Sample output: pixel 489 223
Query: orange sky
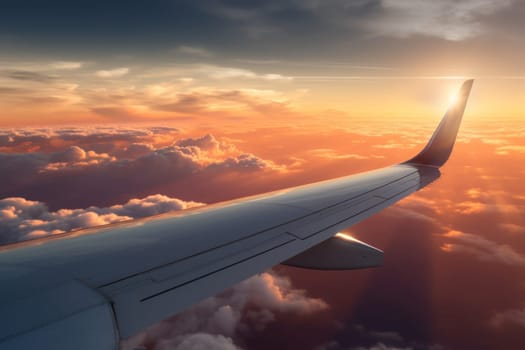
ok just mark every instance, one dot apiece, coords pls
pixel 217 96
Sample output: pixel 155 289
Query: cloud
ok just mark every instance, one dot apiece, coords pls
pixel 68 65
pixel 22 219
pixel 478 207
pixel 199 341
pixel 100 139
pixel 513 228
pixel 30 76
pixel 482 248
pixel 381 346
pixel 245 161
pixel 194 51
pixel 329 153
pixel 75 156
pixel 450 20
pixel 261 101
pixel 207 143
pixel 217 72
pixel 506 150
pixel 111 165
pixel 511 316
pixel 359 337
pixel 223 321
pixel 112 73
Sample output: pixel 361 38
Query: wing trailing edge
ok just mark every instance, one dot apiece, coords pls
pixel 438 149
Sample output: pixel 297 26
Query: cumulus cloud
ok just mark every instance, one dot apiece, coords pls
pixel 482 248
pixel 361 338
pixel 22 219
pixel 207 143
pixel 75 156
pixel 222 321
pixel 112 73
pixel 100 166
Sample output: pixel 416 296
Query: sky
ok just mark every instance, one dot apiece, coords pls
pixel 117 110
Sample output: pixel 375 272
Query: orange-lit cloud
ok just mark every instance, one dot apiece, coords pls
pixel 482 248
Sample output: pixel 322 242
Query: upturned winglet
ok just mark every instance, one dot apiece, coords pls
pixel 438 149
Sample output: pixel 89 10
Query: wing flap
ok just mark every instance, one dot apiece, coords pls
pixel 340 252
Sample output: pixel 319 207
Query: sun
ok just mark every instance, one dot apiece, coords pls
pixel 453 99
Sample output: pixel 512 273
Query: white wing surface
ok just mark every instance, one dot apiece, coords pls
pixel 87 289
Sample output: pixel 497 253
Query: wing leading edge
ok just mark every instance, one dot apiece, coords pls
pixel 118 279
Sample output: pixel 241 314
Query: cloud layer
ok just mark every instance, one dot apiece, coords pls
pixel 97 167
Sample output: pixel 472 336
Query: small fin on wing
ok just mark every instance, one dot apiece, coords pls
pixel 340 252
pixel 438 149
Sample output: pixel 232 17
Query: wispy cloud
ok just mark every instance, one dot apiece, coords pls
pixel 482 248
pixel 506 150
pixel 66 65
pixel 112 73
pixel 476 207
pixel 194 51
pixel 22 219
pixel 448 19
pixel 217 72
pixel 31 76
pixel 511 316
pixel 329 153
pixel 512 228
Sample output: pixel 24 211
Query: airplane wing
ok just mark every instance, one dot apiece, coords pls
pixel 89 288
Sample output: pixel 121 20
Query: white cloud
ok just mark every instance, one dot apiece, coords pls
pixel 22 219
pixel 68 65
pixel 112 73
pixel 217 72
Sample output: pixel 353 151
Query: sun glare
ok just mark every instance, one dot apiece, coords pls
pixel 453 99
pixel 345 237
